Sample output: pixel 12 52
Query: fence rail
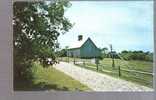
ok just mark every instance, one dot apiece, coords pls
pixel 121 72
pixel 141 72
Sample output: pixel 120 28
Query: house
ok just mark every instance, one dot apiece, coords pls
pixel 83 49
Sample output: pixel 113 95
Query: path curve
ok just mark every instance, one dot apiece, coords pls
pixel 97 81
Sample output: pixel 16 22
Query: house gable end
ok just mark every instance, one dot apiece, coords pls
pixel 90 42
pixel 89 49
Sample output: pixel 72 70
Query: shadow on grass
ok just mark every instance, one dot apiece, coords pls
pixel 42 86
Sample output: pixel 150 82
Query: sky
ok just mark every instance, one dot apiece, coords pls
pixel 127 25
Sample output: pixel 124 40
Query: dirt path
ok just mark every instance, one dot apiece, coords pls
pixel 98 81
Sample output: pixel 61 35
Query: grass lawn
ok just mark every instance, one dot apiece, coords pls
pixel 51 79
pixel 131 65
pixel 106 67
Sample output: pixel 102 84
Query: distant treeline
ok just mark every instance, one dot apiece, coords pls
pixel 131 55
pixel 136 55
pixel 127 55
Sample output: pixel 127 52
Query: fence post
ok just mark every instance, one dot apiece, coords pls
pixel 97 63
pixel 68 59
pixel 74 60
pixel 97 67
pixel 119 71
pixel 84 63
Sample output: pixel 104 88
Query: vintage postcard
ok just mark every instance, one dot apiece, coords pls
pixel 88 46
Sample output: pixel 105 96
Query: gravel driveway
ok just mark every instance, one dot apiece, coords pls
pixel 97 81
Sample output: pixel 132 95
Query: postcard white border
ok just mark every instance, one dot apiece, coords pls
pixel 6 69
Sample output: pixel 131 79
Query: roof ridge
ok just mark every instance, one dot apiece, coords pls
pixel 78 44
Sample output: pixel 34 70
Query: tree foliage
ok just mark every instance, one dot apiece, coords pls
pixel 36 27
pixel 137 55
pixel 62 53
pixel 128 55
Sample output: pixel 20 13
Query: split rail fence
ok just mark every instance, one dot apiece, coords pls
pixel 129 74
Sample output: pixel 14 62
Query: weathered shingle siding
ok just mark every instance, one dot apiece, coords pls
pixel 89 50
pixel 74 52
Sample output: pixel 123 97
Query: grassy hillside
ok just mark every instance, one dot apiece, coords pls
pixel 50 79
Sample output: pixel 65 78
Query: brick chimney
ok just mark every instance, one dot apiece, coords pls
pixel 80 37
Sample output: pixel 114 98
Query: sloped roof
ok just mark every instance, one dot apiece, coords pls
pixel 78 44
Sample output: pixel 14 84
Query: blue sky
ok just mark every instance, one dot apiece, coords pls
pixel 127 25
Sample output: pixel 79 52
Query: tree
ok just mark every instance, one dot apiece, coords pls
pixel 104 52
pixel 36 27
pixel 124 51
pixel 62 53
pixel 137 55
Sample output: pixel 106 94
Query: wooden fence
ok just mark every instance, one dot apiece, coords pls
pixel 118 71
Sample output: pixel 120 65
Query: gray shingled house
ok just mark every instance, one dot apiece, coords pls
pixel 83 49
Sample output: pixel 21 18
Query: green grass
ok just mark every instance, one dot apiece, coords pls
pixel 106 67
pixel 51 79
pixel 131 65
